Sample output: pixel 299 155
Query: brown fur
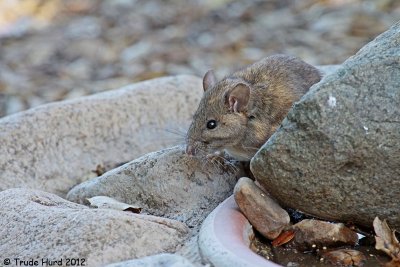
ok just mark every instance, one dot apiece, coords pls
pixel 275 83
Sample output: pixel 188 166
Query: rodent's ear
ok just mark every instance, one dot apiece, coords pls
pixel 209 80
pixel 238 98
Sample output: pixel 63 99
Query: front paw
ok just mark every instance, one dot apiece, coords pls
pixel 221 160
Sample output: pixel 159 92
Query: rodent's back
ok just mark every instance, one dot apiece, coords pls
pixel 277 82
pixel 281 69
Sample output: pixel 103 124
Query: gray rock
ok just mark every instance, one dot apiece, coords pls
pixel 264 214
pixel 337 153
pixel 55 146
pixel 38 225
pixel 166 183
pixel 316 234
pixel 160 260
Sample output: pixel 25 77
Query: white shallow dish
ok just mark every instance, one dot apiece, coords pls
pixel 224 239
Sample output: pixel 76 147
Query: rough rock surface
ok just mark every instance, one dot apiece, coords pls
pixel 160 260
pixel 318 234
pixel 39 225
pixel 264 214
pixel 166 183
pixel 55 146
pixel 336 155
pixel 344 257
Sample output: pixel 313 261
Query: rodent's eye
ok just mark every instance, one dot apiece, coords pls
pixel 211 124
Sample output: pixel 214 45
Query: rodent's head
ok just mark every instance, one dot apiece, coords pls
pixel 221 119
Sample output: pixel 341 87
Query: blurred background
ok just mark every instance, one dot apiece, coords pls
pixel 54 50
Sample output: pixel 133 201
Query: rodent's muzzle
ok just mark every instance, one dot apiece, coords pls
pixel 190 150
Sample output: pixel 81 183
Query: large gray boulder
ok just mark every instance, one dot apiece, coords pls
pixel 55 146
pixel 337 155
pixel 38 225
pixel 166 183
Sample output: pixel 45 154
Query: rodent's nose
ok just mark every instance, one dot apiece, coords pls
pixel 190 150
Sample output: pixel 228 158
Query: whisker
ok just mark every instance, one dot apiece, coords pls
pixel 216 163
pixel 174 141
pixel 171 138
pixel 174 135
pixel 176 132
pixel 182 129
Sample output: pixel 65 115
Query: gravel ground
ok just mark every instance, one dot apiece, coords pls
pixel 54 50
